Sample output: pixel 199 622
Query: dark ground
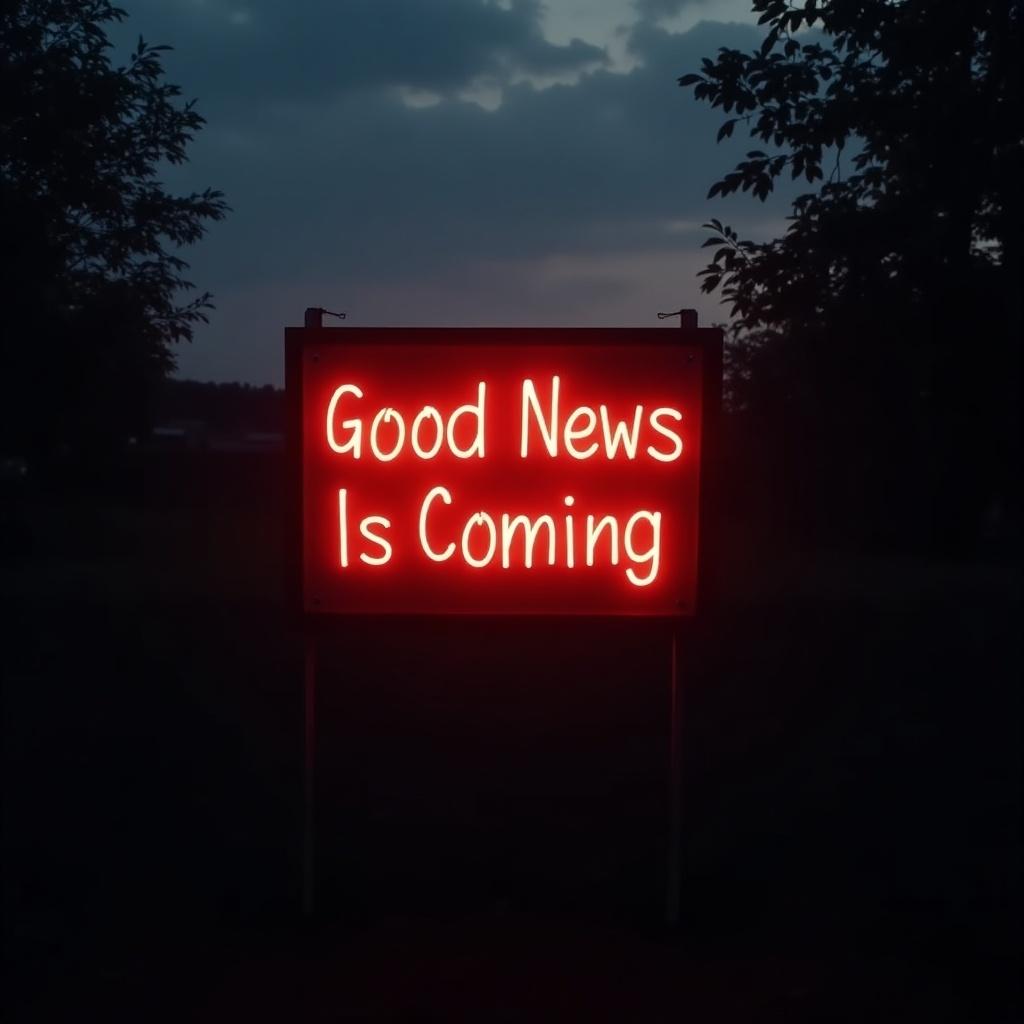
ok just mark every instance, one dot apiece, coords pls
pixel 492 798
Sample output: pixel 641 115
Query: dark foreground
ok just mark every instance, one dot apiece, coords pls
pixel 492 801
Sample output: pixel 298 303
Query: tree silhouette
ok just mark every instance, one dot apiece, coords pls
pixel 881 333
pixel 91 298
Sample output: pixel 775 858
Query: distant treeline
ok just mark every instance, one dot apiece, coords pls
pixel 224 408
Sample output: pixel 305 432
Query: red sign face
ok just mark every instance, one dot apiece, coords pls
pixel 550 472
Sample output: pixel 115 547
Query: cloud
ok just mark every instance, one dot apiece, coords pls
pixel 563 204
pixel 363 183
pixel 317 49
pixel 657 9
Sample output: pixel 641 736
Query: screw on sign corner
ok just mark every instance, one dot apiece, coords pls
pixel 314 316
pixel 688 319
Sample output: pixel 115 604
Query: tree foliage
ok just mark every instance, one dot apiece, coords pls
pixel 93 301
pixel 885 322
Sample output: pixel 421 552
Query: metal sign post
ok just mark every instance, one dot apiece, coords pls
pixel 309 778
pixel 687 321
pixel 530 472
pixel 675 786
pixel 313 318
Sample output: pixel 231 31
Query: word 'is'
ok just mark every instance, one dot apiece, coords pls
pixel 428 433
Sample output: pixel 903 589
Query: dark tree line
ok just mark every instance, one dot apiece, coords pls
pixel 875 356
pixel 231 408
pixel 93 296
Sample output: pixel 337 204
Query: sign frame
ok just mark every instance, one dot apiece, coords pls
pixel 708 339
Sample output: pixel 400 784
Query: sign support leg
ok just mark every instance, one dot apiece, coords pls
pixel 309 765
pixel 675 787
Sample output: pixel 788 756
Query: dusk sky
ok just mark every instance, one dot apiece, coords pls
pixel 448 162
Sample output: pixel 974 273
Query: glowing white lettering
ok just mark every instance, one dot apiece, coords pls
pixel 427 412
pixel 530 531
pixel 677 441
pixel 570 555
pixel 548 431
pixel 354 442
pixel 343 526
pixel 571 433
pixel 592 535
pixel 651 554
pixel 444 494
pixel 492 538
pixel 480 519
pixel 387 416
pixel 477 447
pixel 620 435
pixel 376 538
pixel 502 530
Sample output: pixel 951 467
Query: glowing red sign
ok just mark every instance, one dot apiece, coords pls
pixel 498 471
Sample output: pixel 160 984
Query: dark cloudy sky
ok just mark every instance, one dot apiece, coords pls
pixel 447 162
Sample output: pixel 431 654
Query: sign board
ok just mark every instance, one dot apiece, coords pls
pixel 498 471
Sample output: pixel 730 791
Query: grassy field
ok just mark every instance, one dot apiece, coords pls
pixel 492 798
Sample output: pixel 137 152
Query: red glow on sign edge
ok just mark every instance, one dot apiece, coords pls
pixel 499 479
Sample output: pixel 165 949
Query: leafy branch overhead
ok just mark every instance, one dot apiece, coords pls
pixel 95 234
pixel 865 99
pixel 82 144
pixel 875 350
